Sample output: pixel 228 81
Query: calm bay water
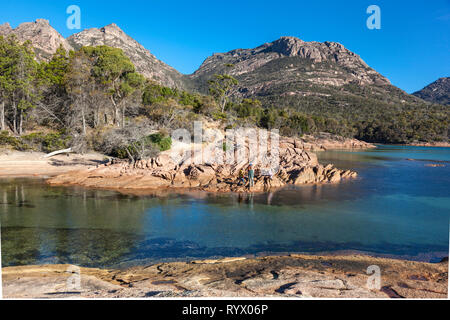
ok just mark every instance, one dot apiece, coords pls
pixel 398 206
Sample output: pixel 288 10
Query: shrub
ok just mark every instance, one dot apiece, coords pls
pixel 162 142
pixel 134 143
pixel 46 142
pixel 13 142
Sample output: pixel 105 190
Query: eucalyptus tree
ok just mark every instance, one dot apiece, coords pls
pixel 221 87
pixel 117 74
pixel 77 82
pixel 5 80
pixel 18 71
pixel 54 96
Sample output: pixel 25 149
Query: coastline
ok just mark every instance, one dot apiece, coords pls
pixel 289 276
pixel 430 144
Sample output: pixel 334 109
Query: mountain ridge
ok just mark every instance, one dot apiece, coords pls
pixel 46 40
pixel 287 66
pixel 436 92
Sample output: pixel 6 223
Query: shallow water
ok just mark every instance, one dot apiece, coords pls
pixel 395 207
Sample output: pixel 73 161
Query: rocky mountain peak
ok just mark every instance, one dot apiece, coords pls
pixel 42 22
pixel 289 61
pixel 288 46
pixel 436 92
pixel 145 62
pixel 5 29
pixel 113 29
pixel 44 38
pixel 46 41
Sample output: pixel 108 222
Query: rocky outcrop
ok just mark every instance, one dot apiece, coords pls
pixel 296 167
pixel 5 29
pixel 44 38
pixel 436 92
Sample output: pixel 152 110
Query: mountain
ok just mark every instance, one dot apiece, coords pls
pixel 46 40
pixel 145 62
pixel 294 69
pixel 436 92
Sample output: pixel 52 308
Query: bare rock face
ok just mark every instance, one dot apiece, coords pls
pixel 5 29
pixel 436 92
pixel 145 62
pixel 43 37
pixel 327 63
pixel 294 276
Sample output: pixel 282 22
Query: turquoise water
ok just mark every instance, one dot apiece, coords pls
pixel 398 206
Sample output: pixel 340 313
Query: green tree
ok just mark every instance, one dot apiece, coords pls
pixel 78 81
pixel 221 88
pixel 52 80
pixel 117 73
pixel 18 74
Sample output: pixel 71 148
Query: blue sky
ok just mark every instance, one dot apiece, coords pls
pixel 412 48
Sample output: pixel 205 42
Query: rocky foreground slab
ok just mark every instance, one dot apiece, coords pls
pixel 297 276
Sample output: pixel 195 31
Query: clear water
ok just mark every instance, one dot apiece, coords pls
pixel 396 207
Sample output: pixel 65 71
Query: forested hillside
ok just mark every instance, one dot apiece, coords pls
pixel 91 98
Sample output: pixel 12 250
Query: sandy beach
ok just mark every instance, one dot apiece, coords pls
pixel 33 164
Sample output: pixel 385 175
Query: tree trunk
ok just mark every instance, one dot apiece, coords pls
pixel 84 120
pixel 2 116
pixel 224 103
pixel 116 112
pixel 14 117
pixel 123 115
pixel 20 122
pixel 130 156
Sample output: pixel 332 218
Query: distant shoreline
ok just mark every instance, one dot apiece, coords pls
pixel 427 144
